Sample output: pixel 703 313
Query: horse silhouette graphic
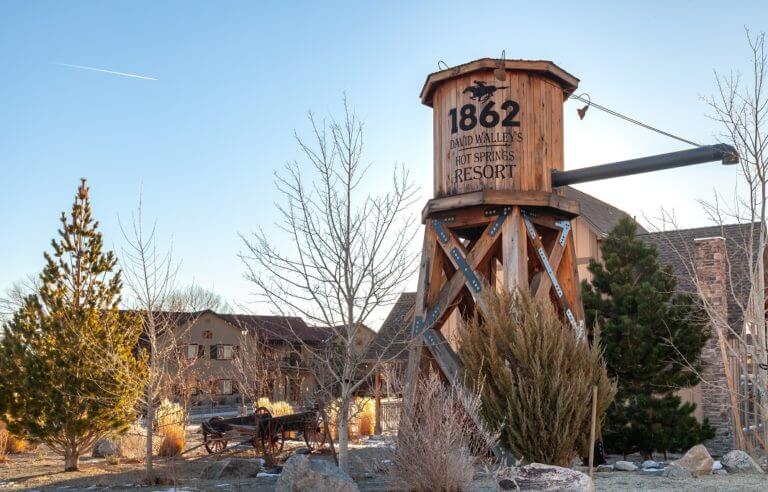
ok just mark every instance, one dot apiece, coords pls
pixel 480 91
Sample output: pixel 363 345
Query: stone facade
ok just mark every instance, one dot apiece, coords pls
pixel 711 269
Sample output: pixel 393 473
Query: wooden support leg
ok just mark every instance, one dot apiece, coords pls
pixel 514 251
pixel 377 407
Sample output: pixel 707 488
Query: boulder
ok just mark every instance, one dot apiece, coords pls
pixel 650 464
pixel 104 448
pixel 604 468
pixel 301 473
pixel 537 476
pixel 738 461
pixel 717 465
pixel 486 484
pixel 697 461
pixel 624 466
pixel 676 471
pixel 232 468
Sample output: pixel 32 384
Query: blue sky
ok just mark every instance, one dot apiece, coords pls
pixel 235 79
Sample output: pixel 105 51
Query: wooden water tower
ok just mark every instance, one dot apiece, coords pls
pixel 494 221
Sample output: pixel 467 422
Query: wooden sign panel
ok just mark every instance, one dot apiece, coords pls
pixel 497 134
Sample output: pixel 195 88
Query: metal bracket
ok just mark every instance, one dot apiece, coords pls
pixel 550 272
pixel 499 221
pixel 565 227
pixel 418 326
pixel 432 316
pixel 441 232
pixel 466 270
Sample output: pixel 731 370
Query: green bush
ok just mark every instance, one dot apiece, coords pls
pixel 535 378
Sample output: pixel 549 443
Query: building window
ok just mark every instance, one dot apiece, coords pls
pixel 207 334
pixel 222 352
pixel 192 351
pixel 225 387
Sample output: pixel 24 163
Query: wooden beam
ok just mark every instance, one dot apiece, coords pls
pixel 514 252
pixel 553 201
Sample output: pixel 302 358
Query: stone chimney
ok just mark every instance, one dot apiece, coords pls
pixel 711 270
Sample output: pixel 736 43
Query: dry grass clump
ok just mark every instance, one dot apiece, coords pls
pixel 362 414
pixel 438 441
pixel 4 436
pixel 277 408
pixel 366 417
pixel 10 444
pixel 168 415
pixel 173 441
pixel 536 377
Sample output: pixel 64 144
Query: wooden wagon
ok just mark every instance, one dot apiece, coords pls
pixel 262 431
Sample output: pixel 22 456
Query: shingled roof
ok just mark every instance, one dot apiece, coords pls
pixel 270 328
pixel 676 248
pixel 391 340
pixel 600 215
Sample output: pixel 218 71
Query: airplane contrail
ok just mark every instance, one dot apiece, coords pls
pixel 133 75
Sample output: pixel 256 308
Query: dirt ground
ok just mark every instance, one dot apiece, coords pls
pixel 42 470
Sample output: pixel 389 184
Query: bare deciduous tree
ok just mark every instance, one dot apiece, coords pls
pixel 349 252
pixel 150 276
pixel 740 106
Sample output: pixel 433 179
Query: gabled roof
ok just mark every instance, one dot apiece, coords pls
pixel 600 216
pixel 677 248
pixel 271 328
pixel 391 340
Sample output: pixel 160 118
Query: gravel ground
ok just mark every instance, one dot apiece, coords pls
pixel 624 481
pixel 41 470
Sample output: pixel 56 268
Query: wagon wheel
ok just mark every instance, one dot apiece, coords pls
pixel 263 411
pixel 272 441
pixel 214 442
pixel 313 435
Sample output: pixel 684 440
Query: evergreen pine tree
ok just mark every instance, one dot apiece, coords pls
pixel 652 338
pixel 69 373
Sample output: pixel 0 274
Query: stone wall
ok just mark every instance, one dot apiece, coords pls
pixel 710 264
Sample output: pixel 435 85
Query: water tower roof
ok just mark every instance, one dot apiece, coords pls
pixel 568 82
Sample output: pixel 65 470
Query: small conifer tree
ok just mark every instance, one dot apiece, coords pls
pixel 69 373
pixel 652 339
pixel 535 377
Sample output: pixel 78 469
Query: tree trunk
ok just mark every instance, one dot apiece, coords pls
pixel 71 459
pixel 150 435
pixel 342 420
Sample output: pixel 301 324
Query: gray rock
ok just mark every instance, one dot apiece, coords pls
pixel 697 461
pixel 717 465
pixel 232 468
pixel 537 476
pixel 655 472
pixel 738 461
pixel 104 448
pixel 719 472
pixel 487 484
pixel 604 468
pixel 212 471
pixel 677 472
pixel 625 466
pixel 301 473
pixel 650 464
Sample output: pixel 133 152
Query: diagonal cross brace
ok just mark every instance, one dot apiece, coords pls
pixel 551 263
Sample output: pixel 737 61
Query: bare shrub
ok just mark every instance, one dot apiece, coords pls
pixel 535 376
pixel 438 441
pixel 4 436
pixel 173 441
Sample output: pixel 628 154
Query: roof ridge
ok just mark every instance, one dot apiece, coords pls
pixel 686 229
